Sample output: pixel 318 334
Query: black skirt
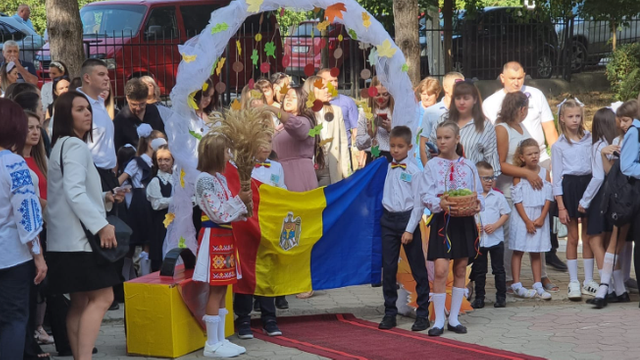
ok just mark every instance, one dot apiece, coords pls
pixel 598 223
pixel 71 272
pixel 573 187
pixel 158 234
pixel 140 218
pixel 463 238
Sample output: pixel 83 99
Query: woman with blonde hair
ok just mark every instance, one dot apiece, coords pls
pixel 154 89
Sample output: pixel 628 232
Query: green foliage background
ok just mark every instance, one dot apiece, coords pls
pixel 623 72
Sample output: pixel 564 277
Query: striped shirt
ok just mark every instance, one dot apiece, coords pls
pixel 478 146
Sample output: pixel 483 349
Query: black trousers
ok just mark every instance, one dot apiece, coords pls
pixel 383 153
pixel 553 211
pixel 479 270
pixel 393 226
pixel 243 304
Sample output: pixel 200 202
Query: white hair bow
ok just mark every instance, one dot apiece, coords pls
pixel 156 143
pixel 565 100
pixel 614 106
pixel 144 130
pixel 10 66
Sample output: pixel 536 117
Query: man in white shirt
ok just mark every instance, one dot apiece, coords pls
pixel 433 113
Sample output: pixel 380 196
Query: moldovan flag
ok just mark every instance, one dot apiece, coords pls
pixel 325 238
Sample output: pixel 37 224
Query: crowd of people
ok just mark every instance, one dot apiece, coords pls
pixel 70 158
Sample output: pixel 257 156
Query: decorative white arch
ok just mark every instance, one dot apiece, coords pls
pixel 200 54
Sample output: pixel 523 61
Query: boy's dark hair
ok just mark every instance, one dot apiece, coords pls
pixel 136 90
pixel 14 124
pixel 484 165
pixel 273 156
pixel 402 132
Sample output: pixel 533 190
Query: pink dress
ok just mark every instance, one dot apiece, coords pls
pixel 295 149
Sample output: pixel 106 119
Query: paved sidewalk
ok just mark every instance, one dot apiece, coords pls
pixel 557 329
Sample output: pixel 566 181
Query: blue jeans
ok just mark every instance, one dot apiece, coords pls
pixel 15 283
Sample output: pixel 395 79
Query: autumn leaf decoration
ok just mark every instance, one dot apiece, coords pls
pixel 323 25
pixel 332 90
pixel 310 99
pixel 386 49
pixel 168 219
pixel 182 175
pixel 182 243
pixel 254 57
pixel 318 84
pixel 315 131
pixel 219 28
pixel 366 19
pixel 284 90
pixel 334 11
pixel 270 49
pixel 375 151
pixel 254 5
pixel 220 65
pixel 191 101
pixel 239 47
pixel 325 142
pixel 189 58
pixel 235 105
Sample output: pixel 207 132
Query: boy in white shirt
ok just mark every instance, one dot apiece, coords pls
pixel 495 215
pixel 402 212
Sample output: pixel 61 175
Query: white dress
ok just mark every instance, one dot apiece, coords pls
pixel 533 202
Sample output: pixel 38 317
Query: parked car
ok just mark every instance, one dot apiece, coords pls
pixel 141 37
pixel 485 40
pixel 28 40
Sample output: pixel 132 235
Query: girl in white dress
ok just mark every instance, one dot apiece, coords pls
pixel 529 230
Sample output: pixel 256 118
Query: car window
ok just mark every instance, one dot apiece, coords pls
pixel 112 21
pixel 162 23
pixel 8 32
pixel 196 17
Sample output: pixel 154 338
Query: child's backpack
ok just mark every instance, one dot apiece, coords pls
pixel 620 198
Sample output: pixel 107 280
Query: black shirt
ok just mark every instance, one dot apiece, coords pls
pixel 125 125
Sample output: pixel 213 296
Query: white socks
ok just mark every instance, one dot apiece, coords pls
pixel 438 306
pixel 456 302
pixel 618 280
pixel 145 264
pixel 588 270
pixel 573 269
pixel 605 277
pixel 212 322
pixel 538 288
pixel 516 286
pixel 222 313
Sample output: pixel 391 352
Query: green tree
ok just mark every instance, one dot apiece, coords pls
pixel 616 12
pixel 291 18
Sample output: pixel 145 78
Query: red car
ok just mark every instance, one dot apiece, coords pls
pixel 141 37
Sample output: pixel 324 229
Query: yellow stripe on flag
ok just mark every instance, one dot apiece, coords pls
pixel 290 225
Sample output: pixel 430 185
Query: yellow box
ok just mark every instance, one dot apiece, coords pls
pixel 159 322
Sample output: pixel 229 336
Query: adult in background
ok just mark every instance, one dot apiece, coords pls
pixel 20 224
pixel 427 93
pixel 434 113
pixel 153 96
pixel 136 112
pixel 77 199
pixel 8 77
pixel 348 106
pixel 56 69
pixel 377 134
pixel 23 14
pixel 26 70
pixel 279 81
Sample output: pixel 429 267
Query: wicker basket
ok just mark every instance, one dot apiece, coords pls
pixel 463 206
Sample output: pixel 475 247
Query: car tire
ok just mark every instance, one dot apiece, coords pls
pixel 544 66
pixel 578 56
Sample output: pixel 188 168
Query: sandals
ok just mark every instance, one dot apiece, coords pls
pixel 550 287
pixel 42 337
pixel 305 295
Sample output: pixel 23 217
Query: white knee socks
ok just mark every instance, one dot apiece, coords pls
pixel 212 322
pixel 605 278
pixel 573 269
pixel 618 279
pixel 438 306
pixel 456 302
pixel 223 316
pixel 588 270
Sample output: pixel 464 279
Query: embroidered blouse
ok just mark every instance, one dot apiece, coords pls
pixel 20 212
pixel 154 193
pixel 214 198
pixel 442 175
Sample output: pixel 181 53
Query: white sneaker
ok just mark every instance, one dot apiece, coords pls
pixel 574 290
pixel 219 350
pixel 525 293
pixel 238 347
pixel 590 288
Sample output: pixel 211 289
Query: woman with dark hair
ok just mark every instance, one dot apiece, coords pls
pixel 206 100
pixel 20 224
pixel 57 69
pixel 77 202
pixel 30 101
pixel 60 86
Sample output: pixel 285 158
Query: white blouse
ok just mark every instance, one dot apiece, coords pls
pixel 154 193
pixel 570 159
pixel 529 197
pixel 597 172
pixel 214 198
pixel 441 175
pixel 134 171
pixel 363 140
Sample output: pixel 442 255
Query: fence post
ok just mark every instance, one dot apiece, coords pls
pixel 568 47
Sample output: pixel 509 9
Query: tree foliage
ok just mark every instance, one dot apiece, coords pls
pixel 623 72
pixel 291 18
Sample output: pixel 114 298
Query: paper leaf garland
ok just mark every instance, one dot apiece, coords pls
pixel 373 57
pixel 340 37
pixel 353 34
pixel 323 25
pixel 254 57
pixel 367 111
pixel 189 58
pixel 284 90
pixel 375 151
pixel 334 11
pixel 325 142
pixel 182 175
pixel 319 84
pixel 205 87
pixel 315 131
pixel 265 67
pixel 182 243
pixel 405 67
pixel 418 136
pixel 270 49
pixel 332 91
pixel 366 19
pixel 195 135
pixel 310 99
pixel 168 219
pixel 191 101
pixel 220 65
pixel 316 9
pixel 235 105
pixel 258 37
pixel 254 5
pixel 386 50
pixel 239 47
pixel 219 28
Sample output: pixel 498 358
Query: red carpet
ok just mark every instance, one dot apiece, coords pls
pixel 343 336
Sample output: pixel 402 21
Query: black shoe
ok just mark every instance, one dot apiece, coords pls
pixel 420 324
pixel 282 303
pixel 555 262
pixel 624 298
pixel 114 306
pixel 477 303
pixel 500 303
pixel 388 322
pixel 271 329
pixel 434 331
pixel 459 329
pixel 599 303
pixel 244 330
pixel 376 285
pixel 612 298
pixel 256 306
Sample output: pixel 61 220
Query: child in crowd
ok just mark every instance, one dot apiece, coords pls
pixel 159 194
pixel 451 238
pixel 268 172
pixel 571 163
pixel 492 218
pixel 529 228
pixel 138 171
pixel 400 218
pixel 216 239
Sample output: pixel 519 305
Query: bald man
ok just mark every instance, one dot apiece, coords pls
pixel 22 15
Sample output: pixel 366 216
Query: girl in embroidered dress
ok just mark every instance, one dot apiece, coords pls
pixel 529 229
pixel 571 163
pixel 451 238
pixel 159 194
pixel 217 256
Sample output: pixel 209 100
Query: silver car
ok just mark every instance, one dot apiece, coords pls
pixel 28 40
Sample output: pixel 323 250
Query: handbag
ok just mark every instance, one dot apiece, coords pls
pixel 122 231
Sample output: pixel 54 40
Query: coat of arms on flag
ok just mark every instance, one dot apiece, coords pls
pixel 290 234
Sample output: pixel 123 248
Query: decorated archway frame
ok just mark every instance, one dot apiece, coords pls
pixel 199 55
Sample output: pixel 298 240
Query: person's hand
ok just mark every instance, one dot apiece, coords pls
pixel 531 228
pixel 563 215
pixel 535 180
pixel 582 209
pixel 245 196
pixel 490 229
pixel 444 202
pixel 609 150
pixel 119 197
pixel 369 129
pixel 539 222
pixel 407 237
pixel 108 237
pixel 386 124
pixel 41 268
pixel 478 206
